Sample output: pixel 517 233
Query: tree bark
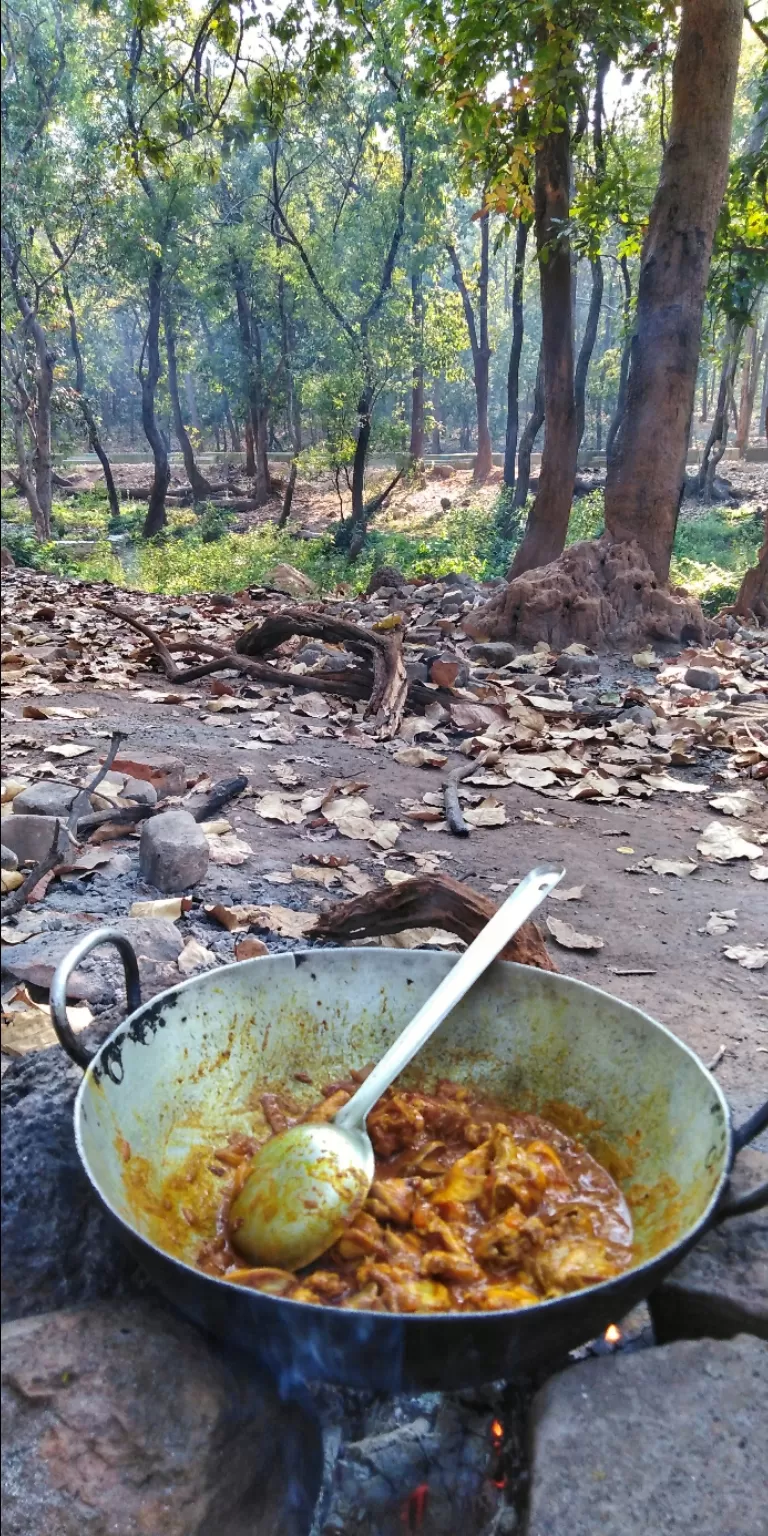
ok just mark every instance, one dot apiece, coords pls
pixel 83 401
pixel 42 458
pixel 200 486
pixel 547 527
pixel 362 443
pixel 191 398
pixel 234 434
pixel 647 473
pixel 587 347
pixel 149 377
pixel 416 447
pixel 750 380
pixel 513 372
pixel 256 460
pixel 528 436
pixel 478 340
pixel 718 436
pixel 626 352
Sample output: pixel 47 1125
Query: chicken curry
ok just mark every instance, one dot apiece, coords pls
pixel 473 1208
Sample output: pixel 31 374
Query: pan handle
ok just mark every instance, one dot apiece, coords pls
pixel 67 1037
pixel 752 1199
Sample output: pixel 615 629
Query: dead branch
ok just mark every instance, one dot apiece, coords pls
pixel 428 901
pixel 389 690
pixel 219 796
pixel 385 650
pixel 19 898
pixel 453 811
pixel 119 815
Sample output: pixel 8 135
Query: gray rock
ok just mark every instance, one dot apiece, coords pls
pixel 173 852
pixel 122 1418
pixel 58 1247
pixel 416 672
pixel 140 791
pixel 99 977
pixel 705 678
pixel 577 666
pixel 658 1443
pixel 31 837
pixel 721 1287
pixel 8 859
pixel 494 653
pixel 46 798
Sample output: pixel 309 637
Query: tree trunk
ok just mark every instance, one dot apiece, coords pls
pixel 704 393
pixel 285 510
pixel 513 372
pixel 191 397
pixel 481 352
pixel 718 436
pixel 587 347
pixel 528 436
pixel 41 524
pixel 292 403
pixel 256 461
pixel 621 398
pixel 416 447
pixel 364 424
pixel 749 388
pixel 234 434
pixel 646 477
pixel 753 592
pixel 547 527
pixel 201 488
pixel 149 377
pixel 83 401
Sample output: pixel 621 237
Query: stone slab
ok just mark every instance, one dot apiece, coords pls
pixel 721 1287
pixel 664 1442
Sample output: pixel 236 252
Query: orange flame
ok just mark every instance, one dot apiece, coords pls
pixel 612 1334
pixel 497 1432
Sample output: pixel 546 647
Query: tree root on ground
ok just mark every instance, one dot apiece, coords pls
pixel 428 901
pixel 598 592
pixel 383 681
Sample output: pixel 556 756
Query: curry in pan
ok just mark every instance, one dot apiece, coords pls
pixel 474 1208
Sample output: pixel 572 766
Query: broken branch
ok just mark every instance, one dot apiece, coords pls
pixel 453 812
pixel 428 901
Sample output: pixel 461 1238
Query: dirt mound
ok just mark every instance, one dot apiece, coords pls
pixel 597 592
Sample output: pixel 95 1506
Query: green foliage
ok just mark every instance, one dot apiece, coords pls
pixel 713 552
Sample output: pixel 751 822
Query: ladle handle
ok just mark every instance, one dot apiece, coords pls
pixel 481 953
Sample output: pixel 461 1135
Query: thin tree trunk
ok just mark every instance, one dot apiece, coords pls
pixel 256 462
pixel 481 352
pixel 626 353
pixel 285 510
pixel 528 436
pixel 547 526
pixel 596 266
pixel 587 347
pixel 718 436
pixel 292 411
pixel 201 488
pixel 752 598
pixel 364 425
pixel 42 526
pixel 416 447
pixel 191 398
pixel 749 388
pixel 647 474
pixel 704 393
pixel 149 377
pixel 234 434
pixel 513 372
pixel 83 401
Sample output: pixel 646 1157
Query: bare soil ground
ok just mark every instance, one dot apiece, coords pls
pixel 655 954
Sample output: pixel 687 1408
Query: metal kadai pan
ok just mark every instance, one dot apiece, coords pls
pixel 187 1069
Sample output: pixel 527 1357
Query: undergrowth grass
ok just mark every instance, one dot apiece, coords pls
pixel 200 552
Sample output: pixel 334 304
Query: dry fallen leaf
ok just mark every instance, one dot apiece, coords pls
pixel 250 948
pixel 679 867
pixel 70 749
pixel 11 788
pixel 313 704
pixel 751 959
pixel 195 957
pixel 165 906
pixel 274 808
pixel 574 893
pixel 667 782
pixel 738 802
pixel 215 828
pixel 420 757
pixel 26 1025
pixel 229 849
pixel 720 922
pixel 723 843
pixel 489 813
pixel 759 871
pixel 594 786
pixel 281 920
pixel 570 938
pixel 314 875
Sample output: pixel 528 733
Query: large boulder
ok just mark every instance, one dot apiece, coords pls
pixel 58 1246
pixel 597 593
pixel 123 1420
pixel 658 1443
pixel 46 798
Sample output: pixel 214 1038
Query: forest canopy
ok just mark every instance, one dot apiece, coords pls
pixel 362 235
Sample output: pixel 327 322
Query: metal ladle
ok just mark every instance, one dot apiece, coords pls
pixel 307 1183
